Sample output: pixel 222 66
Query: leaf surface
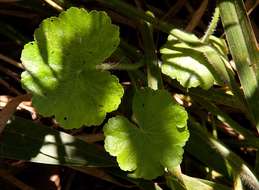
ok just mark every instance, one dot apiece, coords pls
pixel 155 141
pixel 194 63
pixel 61 68
pixel 186 65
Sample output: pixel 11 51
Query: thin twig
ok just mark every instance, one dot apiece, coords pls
pixel 11 61
pixel 197 16
pixel 251 5
pixel 117 18
pixel 10 108
pixel 10 73
pixel 54 5
pixel 25 105
pixel 174 9
pixel 91 138
pixel 9 87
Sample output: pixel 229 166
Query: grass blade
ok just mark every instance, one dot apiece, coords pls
pixel 238 166
pixel 24 140
pixel 243 48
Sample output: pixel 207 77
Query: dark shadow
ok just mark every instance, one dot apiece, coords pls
pixel 218 156
pixel 61 151
pixel 24 140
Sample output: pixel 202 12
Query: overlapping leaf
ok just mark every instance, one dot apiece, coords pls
pixel 156 138
pixel 61 68
pixel 194 63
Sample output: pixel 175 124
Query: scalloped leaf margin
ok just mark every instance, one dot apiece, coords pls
pixel 60 68
pixel 154 141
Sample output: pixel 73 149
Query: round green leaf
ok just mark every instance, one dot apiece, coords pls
pixel 61 68
pixel 156 138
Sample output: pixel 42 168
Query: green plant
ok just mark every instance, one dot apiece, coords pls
pixel 62 66
pixel 54 64
pixel 65 73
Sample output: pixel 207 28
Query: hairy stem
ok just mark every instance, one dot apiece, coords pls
pixel 212 26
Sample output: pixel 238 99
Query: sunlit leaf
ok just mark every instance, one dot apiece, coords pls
pixel 61 68
pixel 186 65
pixel 154 140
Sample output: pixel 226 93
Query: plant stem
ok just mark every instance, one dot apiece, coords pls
pixel 153 70
pixel 176 175
pixel 212 26
pixel 237 182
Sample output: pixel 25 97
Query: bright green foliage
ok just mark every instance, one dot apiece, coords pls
pixel 186 65
pixel 154 141
pixel 61 68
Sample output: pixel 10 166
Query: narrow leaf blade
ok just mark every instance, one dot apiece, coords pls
pixel 25 140
pixel 243 48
